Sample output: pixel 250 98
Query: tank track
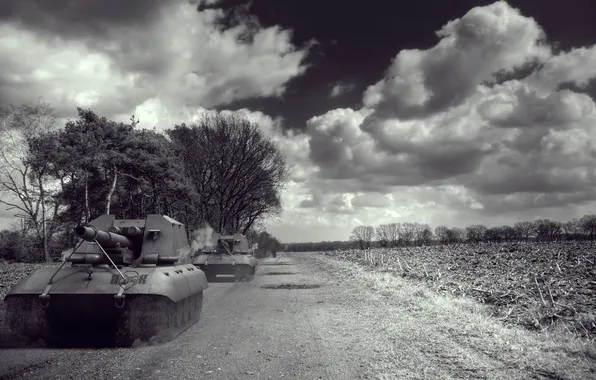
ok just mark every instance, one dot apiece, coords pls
pixel 142 319
pixel 241 272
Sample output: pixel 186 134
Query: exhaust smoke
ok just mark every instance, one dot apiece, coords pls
pixel 201 238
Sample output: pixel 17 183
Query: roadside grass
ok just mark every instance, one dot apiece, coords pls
pixel 463 330
pixel 10 275
pixel 538 285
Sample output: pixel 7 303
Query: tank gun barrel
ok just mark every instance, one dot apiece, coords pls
pixel 106 239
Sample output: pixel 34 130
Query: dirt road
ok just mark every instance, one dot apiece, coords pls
pixel 350 325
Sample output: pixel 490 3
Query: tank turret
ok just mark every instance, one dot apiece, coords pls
pixel 227 255
pixel 107 240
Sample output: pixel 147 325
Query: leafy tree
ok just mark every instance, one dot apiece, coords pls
pixel 267 244
pixel 252 235
pixel 85 157
pixel 108 167
pixel 10 245
pixel 492 235
pixel 153 179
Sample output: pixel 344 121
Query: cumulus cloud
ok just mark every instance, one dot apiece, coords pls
pixel 576 66
pixel 446 133
pixel 374 200
pixel 338 203
pixel 169 53
pixel 472 50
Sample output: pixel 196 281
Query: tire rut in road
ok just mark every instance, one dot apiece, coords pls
pixel 161 354
pixel 19 372
pixel 291 286
pixel 275 264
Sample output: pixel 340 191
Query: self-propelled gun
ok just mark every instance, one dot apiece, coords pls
pixel 127 280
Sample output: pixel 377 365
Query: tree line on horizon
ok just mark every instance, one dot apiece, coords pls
pixel 222 171
pixel 407 234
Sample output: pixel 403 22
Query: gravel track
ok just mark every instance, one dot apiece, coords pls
pixel 245 332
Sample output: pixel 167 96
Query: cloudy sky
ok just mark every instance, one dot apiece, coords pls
pixel 442 112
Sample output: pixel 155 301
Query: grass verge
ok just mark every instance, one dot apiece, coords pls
pixel 455 337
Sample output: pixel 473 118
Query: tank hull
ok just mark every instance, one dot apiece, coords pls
pixel 241 266
pixel 82 309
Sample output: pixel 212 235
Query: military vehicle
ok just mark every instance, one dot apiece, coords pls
pixel 227 255
pixel 128 281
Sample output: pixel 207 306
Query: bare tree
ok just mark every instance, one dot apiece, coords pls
pixel 524 229
pixel 492 235
pixel 509 233
pixel 457 235
pixel 406 232
pixel 393 234
pixel 588 223
pixel 383 235
pixel 363 235
pixel 443 234
pixel 235 168
pixel 548 230
pixel 475 233
pixel 426 235
pixel 422 233
pixel 573 228
pixel 23 184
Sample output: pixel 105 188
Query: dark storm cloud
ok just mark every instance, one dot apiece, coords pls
pixel 155 57
pixel 98 23
pixel 19 92
pixel 535 200
pixel 114 27
pixel 534 181
pixel 81 18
